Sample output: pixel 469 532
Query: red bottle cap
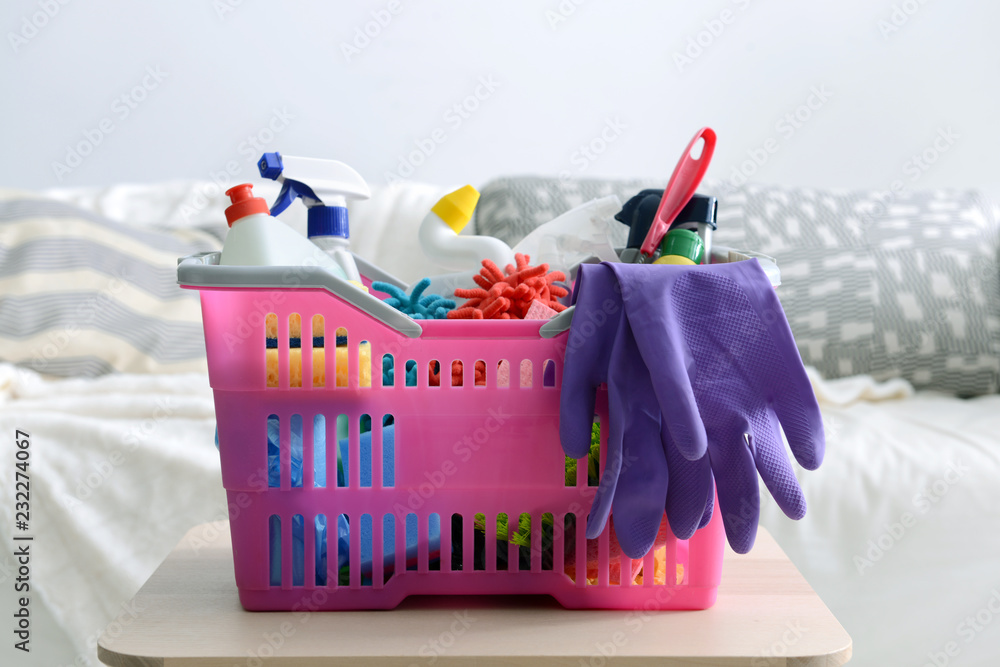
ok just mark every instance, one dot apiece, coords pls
pixel 244 203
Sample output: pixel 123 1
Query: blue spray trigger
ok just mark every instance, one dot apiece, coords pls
pixel 290 191
pixel 270 165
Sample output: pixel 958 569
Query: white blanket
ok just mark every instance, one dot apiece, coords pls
pixel 902 534
pixel 120 468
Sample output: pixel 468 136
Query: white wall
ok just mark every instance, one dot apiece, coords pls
pixel 557 88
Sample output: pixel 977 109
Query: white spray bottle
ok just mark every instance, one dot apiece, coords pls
pixel 257 239
pixel 324 186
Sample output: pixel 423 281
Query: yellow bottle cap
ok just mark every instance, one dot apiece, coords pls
pixel 456 208
pixel 674 259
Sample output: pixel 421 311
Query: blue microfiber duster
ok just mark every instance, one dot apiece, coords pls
pixel 426 307
pixel 389 373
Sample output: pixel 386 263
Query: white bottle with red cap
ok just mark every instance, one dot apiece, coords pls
pixel 256 238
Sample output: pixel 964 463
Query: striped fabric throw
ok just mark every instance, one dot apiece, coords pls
pixel 81 295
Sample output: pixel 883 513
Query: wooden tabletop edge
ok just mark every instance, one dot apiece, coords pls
pixel 115 659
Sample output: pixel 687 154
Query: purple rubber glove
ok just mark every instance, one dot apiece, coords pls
pixel 643 475
pixel 648 455
pixel 717 333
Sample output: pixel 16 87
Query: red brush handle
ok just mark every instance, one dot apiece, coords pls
pixel 683 183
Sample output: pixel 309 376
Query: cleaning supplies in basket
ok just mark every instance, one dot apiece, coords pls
pixel 441 242
pixel 324 187
pixel 510 294
pixel 681 246
pixel 698 215
pixel 255 238
pixel 440 229
pixel 417 305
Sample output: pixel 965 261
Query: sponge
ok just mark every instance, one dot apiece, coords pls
pixel 319 366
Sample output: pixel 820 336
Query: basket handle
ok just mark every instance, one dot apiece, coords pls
pixel 204 270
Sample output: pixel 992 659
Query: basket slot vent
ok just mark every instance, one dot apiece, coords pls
pixel 527 376
pixel 388 371
pixel 363 377
pixel 343 452
pixel 545 531
pixel 296 449
pixel 598 464
pixel 365 457
pixel 273 441
pixel 388 445
pixel 458 553
pixel 368 554
pixel 298 550
pixel 503 374
pixel 382 534
pixel 549 374
pixel 295 350
pixel 411 531
pixel 522 543
pixel 318 358
pixel 320 530
pixel 340 545
pixel 430 549
pixel 319 458
pixel 274 540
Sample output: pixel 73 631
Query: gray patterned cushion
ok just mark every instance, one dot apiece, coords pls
pixel 907 290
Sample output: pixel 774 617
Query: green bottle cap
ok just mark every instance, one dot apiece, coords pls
pixel 682 242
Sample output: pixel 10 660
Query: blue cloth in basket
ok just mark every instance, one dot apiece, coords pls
pixel 343 530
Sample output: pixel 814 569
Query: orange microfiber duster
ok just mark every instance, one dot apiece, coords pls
pixel 456 374
pixel 509 297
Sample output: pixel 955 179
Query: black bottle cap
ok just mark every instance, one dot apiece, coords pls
pixel 639 211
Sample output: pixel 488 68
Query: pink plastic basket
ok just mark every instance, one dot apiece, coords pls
pixel 459 450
